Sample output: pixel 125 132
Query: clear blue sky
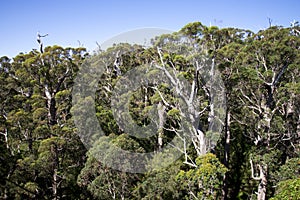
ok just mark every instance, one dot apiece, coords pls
pixel 70 21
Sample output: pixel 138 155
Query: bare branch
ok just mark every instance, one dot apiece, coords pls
pixel 160 56
pixel 191 193
pixel 252 172
pixel 187 157
pixel 246 97
pixel 161 96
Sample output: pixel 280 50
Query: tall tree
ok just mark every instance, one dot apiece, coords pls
pixel 265 65
pixel 39 125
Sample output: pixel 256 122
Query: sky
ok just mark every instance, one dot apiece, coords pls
pixel 87 22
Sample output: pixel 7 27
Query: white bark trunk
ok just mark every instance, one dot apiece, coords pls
pixel 161 110
pixel 54 185
pixel 51 105
pixel 5 134
pixel 202 142
pixel 262 187
pixel 262 177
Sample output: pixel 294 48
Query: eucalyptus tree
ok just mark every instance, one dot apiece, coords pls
pixel 267 92
pixel 40 132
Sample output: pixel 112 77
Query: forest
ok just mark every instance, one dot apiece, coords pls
pixel 222 104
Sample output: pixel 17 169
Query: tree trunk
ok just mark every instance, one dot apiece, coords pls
pixel 56 178
pixel 51 105
pixel 5 134
pixel 298 130
pixel 202 142
pixel 226 154
pixel 54 185
pixel 262 178
pixel 52 112
pixel 161 110
pixel 262 187
pixel 199 140
pixel 227 139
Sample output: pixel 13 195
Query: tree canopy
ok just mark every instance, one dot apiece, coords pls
pixel 229 103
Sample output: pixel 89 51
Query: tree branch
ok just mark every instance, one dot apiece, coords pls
pixel 252 171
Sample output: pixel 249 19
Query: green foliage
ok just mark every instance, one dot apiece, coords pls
pixel 205 181
pixel 288 190
pixel 101 181
pixel 160 184
pixel 290 170
pixel 43 158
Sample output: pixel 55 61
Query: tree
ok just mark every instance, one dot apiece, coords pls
pixel 232 42
pixel 288 189
pixel 102 181
pixel 41 135
pixel 180 92
pixel 265 64
pixel 205 181
pixel 189 60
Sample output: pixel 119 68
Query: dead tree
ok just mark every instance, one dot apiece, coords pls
pixel 39 40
